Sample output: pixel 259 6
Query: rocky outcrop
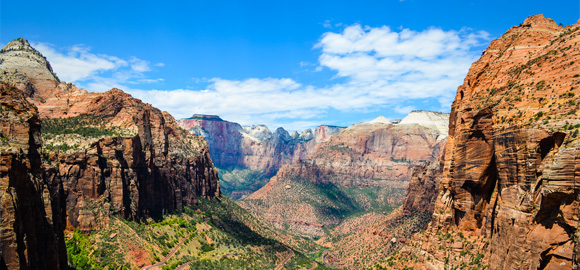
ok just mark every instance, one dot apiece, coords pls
pixel 423 186
pixel 254 147
pixel 31 231
pixel 435 120
pixel 510 186
pixel 26 68
pixel 151 168
pixel 112 153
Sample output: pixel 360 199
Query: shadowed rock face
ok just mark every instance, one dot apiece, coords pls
pixel 512 169
pixel 423 186
pixel 31 229
pixel 140 165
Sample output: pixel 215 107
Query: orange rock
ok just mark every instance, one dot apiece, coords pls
pixel 512 160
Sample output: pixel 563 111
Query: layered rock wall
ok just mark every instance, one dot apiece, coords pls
pixel 365 166
pixel 424 186
pixel 369 154
pixel 31 224
pixel 112 153
pixel 510 182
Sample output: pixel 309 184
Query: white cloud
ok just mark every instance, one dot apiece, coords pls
pixel 96 72
pixel 405 109
pixel 378 67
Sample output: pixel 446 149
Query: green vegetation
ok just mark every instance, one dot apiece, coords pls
pixel 402 160
pixel 85 125
pixel 237 182
pixel 214 234
pixel 82 254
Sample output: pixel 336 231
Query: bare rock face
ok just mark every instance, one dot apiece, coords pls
pixel 436 120
pixel 254 147
pixel 31 231
pixel 26 68
pixel 152 166
pixel 114 154
pixel 510 184
pixel 423 186
pixel 224 138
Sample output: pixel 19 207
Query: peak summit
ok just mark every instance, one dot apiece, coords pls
pixel 380 120
pixel 18 58
pixel 19 44
pixel 436 120
pixel 540 22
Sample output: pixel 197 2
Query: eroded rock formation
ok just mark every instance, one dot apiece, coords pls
pixel 374 157
pixel 424 186
pixel 510 188
pixel 31 225
pixel 367 154
pixel 112 153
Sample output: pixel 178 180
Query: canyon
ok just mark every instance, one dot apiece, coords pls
pixel 104 180
pixel 248 156
pixel 365 167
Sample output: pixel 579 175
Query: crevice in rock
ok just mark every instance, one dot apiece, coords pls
pixel 547 144
pixel 545 258
pixel 478 134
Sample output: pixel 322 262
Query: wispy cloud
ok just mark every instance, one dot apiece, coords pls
pixel 96 72
pixel 378 67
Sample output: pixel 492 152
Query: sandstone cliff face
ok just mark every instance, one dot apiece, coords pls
pixel 365 166
pixel 112 153
pixel 224 138
pixel 254 147
pixel 151 168
pixel 511 177
pixel 369 154
pixel 423 186
pixel 31 234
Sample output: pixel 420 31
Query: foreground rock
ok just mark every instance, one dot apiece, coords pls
pixel 510 194
pixel 31 229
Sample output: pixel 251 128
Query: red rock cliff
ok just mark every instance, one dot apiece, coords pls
pixel 112 153
pixel 31 231
pixel 376 155
pixel 511 180
pixel 368 154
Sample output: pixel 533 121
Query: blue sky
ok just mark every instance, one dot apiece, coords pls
pixel 295 64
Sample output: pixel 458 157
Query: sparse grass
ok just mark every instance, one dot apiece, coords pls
pixel 213 233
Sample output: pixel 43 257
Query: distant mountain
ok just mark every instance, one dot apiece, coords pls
pixel 248 155
pixel 365 167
